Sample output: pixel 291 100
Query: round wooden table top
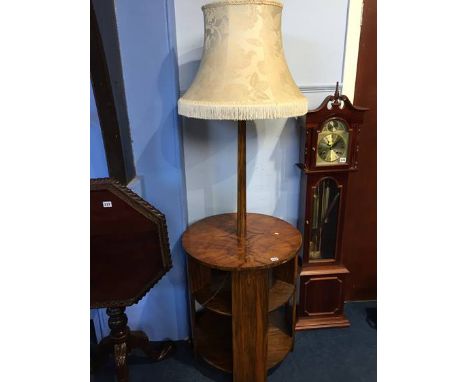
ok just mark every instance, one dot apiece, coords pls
pixel 213 242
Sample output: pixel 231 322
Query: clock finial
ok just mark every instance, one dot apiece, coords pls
pixel 337 90
pixel 337 97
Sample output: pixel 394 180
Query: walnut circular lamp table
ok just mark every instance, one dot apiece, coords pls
pixel 242 267
pixel 247 292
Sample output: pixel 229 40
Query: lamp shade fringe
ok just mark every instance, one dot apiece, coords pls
pixel 201 110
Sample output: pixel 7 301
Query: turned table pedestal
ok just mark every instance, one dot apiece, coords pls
pixel 129 253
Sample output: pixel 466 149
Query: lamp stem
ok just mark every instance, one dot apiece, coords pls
pixel 241 181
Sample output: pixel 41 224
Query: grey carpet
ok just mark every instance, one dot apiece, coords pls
pixel 325 355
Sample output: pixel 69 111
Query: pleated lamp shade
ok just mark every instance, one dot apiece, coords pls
pixel 243 73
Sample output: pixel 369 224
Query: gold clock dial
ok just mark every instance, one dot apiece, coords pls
pixel 332 147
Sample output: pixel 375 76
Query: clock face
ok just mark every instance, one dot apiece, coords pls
pixel 332 147
pixel 332 143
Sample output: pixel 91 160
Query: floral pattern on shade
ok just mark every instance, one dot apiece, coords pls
pixel 243 71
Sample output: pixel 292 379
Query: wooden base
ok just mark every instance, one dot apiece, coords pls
pixel 321 302
pixel 122 341
pixel 306 323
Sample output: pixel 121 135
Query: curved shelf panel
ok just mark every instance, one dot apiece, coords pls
pixel 217 296
pixel 280 293
pixel 213 340
pixel 279 341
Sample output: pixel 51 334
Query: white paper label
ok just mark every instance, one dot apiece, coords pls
pixel 107 204
pixel 343 160
pixel 274 259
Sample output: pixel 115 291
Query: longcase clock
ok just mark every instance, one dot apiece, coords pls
pixel 329 155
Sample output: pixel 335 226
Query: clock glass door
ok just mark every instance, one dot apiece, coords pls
pixel 324 220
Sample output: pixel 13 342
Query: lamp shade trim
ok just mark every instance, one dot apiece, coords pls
pixel 242 2
pixel 230 111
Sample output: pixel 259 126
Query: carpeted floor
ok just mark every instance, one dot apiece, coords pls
pixel 326 355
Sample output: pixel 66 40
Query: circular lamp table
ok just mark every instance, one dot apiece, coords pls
pixel 242 293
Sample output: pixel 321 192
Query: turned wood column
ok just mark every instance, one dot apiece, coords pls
pixel 241 181
pixel 119 335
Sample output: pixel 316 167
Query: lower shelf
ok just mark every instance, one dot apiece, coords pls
pixel 213 338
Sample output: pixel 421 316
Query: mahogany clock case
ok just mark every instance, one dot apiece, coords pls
pixel 322 278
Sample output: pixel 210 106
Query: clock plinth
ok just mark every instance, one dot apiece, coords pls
pixel 336 321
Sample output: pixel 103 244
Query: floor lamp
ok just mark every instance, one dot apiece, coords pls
pixel 243 76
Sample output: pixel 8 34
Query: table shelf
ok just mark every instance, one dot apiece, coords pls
pixel 216 296
pixel 213 339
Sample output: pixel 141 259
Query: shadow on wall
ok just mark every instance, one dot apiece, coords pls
pixel 210 150
pixel 160 150
pixel 159 164
pixel 285 155
pixel 189 69
pixel 98 161
pixel 274 188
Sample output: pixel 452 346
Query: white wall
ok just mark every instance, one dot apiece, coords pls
pixel 314 43
pixel 353 36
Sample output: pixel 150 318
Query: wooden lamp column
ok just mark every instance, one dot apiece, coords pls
pixel 241 181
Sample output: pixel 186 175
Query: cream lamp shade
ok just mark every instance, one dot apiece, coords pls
pixel 243 73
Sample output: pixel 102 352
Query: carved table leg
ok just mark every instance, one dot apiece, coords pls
pixel 122 341
pixel 119 336
pixel 121 367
